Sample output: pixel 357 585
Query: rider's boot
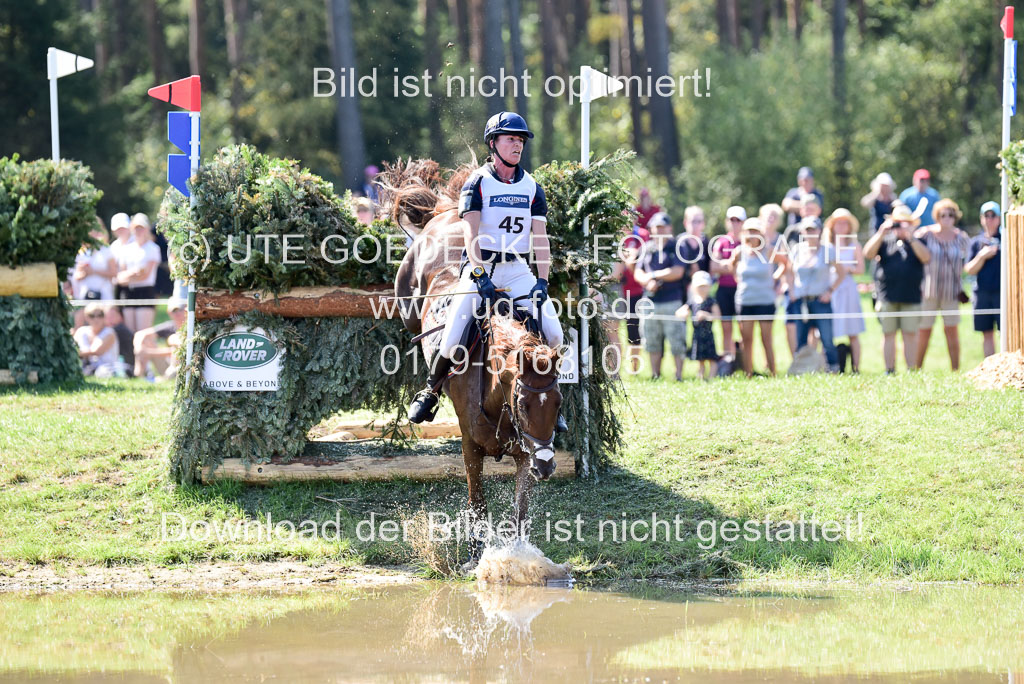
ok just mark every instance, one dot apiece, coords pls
pixel 560 425
pixel 424 405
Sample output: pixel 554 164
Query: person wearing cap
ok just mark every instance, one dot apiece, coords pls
pixel 148 349
pixel 645 209
pixel 660 271
pixel 722 248
pixel 984 265
pixel 921 191
pixel 121 228
pixel 880 200
pixel 370 182
pixel 812 263
pixel 899 273
pixel 137 264
pixel 793 201
pixel 504 221
pixel 841 233
pixel 943 289
pixel 757 267
pixel 701 309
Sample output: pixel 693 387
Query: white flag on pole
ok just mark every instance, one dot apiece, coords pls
pixel 61 63
pixel 602 84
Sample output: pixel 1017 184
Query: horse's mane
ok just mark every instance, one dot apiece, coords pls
pixel 417 190
pixel 509 336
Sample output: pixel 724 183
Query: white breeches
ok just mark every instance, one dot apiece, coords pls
pixel 518 279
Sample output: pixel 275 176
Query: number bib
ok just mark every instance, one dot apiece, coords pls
pixel 506 217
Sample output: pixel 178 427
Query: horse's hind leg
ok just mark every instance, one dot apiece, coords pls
pixel 521 498
pixel 473 456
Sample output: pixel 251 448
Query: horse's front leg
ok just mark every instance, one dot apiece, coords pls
pixel 473 457
pixel 521 498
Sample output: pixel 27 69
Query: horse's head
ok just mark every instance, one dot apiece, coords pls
pixel 531 383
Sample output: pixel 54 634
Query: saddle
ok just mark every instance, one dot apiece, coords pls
pixel 480 327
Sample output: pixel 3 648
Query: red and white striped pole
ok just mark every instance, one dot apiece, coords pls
pixel 1009 109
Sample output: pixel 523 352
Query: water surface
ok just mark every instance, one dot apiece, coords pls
pixel 460 632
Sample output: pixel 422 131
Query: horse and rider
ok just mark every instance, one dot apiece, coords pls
pixel 511 405
pixel 504 215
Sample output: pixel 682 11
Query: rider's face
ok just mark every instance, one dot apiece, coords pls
pixel 510 147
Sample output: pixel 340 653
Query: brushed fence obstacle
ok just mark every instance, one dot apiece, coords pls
pixel 280 348
pixel 48 210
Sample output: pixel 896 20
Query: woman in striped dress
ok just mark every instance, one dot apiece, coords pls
pixel 942 288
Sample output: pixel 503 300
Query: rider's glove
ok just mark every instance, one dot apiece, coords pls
pixel 484 285
pixel 539 292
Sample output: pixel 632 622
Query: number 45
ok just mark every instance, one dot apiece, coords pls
pixel 507 223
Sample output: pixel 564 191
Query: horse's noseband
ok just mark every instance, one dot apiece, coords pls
pixel 535 445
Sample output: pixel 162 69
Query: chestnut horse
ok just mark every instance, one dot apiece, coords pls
pixel 506 397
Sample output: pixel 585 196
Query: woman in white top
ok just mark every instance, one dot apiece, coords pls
pixel 95 268
pixel 841 232
pixel 137 265
pixel 97 344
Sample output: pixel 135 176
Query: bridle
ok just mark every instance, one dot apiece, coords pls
pixel 527 442
pixel 510 407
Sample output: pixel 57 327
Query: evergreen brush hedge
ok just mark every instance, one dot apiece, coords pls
pixel 47 209
pixel 334 364
pixel 241 193
pixel 572 194
pixel 330 365
pixel 34 336
pixel 1013 162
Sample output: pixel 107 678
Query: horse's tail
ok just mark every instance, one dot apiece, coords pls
pixel 416 190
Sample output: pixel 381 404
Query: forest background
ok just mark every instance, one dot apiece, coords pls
pixel 848 87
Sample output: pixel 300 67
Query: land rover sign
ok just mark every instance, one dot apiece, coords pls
pixel 242 361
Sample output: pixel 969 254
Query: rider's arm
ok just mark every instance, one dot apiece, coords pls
pixel 471 233
pixel 541 247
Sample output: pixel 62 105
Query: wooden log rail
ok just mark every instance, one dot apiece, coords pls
pixel 1013 243
pixel 372 301
pixel 33 280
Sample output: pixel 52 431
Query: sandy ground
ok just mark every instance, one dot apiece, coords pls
pixel 206 577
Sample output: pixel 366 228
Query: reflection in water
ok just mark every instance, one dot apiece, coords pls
pixel 462 632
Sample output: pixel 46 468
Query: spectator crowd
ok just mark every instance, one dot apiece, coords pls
pixel 122 279
pixel 713 300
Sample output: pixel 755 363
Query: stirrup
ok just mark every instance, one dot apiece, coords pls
pixel 424 406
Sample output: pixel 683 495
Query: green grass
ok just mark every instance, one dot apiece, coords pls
pixel 933 465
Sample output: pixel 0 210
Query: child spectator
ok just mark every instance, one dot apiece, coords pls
pixel 702 309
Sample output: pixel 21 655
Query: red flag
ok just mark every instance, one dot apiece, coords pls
pixel 184 93
pixel 1007 23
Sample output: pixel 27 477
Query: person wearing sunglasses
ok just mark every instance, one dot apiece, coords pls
pixel 985 266
pixel 942 290
pixel 97 344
